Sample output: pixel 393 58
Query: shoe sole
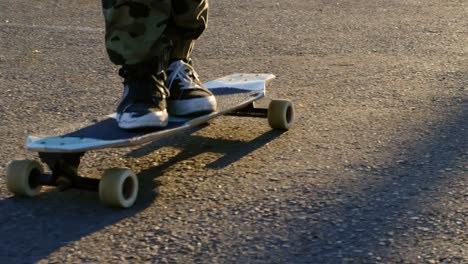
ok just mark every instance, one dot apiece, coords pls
pixel 150 120
pixel 193 106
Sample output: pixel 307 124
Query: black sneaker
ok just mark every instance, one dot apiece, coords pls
pixel 188 96
pixel 143 104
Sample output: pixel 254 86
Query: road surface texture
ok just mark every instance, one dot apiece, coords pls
pixel 374 169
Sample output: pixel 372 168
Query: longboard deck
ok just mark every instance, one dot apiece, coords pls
pixel 232 92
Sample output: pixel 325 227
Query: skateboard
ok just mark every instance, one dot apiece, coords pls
pixel 62 150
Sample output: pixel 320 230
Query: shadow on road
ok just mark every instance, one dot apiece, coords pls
pixel 31 229
pixel 231 150
pixel 396 206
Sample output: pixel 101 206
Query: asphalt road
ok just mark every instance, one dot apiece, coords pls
pixel 374 169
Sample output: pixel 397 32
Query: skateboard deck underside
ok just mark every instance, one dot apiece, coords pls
pixel 232 92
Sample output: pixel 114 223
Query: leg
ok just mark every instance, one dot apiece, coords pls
pixel 135 39
pixel 189 21
pixel 134 30
pixel 188 96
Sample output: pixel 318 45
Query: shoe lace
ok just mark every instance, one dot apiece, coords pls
pixel 161 88
pixel 157 92
pixel 185 73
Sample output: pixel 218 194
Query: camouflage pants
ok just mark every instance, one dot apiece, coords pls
pixel 138 31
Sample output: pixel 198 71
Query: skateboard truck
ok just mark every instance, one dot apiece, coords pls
pixel 64 167
pixel 250 111
pixel 280 113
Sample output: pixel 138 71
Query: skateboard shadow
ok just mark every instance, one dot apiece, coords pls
pixel 231 150
pixel 190 147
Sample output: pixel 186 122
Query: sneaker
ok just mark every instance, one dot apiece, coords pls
pixel 187 94
pixel 143 104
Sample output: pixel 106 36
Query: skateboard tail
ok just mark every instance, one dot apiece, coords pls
pixel 67 144
pixel 248 82
pixel 64 144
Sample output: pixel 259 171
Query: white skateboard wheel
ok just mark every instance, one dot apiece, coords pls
pixel 118 188
pixel 23 177
pixel 280 114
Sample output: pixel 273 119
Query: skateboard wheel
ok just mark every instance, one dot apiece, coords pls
pixel 118 188
pixel 280 114
pixel 23 177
